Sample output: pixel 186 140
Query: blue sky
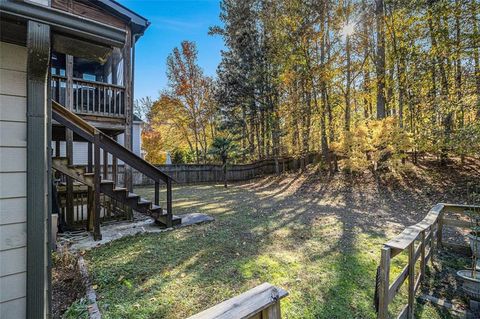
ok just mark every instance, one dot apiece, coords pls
pixel 173 21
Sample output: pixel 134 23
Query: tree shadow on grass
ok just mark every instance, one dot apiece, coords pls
pixel 310 234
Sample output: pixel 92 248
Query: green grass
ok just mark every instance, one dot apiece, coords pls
pixel 263 235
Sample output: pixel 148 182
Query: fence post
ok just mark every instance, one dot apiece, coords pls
pixel 411 280
pixel 432 243
pixel 384 283
pixel 423 263
pixel 272 312
pixel 440 230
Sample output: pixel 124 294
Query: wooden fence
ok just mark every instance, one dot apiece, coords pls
pixel 261 302
pixel 419 241
pixel 211 173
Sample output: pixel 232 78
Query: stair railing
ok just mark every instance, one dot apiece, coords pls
pixel 101 141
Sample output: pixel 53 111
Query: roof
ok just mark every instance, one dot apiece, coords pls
pixel 138 23
pixel 137 119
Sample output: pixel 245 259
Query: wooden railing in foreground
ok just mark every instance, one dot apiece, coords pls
pixel 428 234
pixel 261 302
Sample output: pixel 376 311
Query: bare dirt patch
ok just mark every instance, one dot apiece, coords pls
pixel 67 284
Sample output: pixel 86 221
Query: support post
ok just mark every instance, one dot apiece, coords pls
pixel 105 164
pixel 411 280
pixel 57 148
pixel 115 170
pixel 69 140
pixel 38 108
pixel 384 283
pixel 128 103
pixel 96 220
pixel 157 193
pixel 432 243
pixel 169 203
pixel 423 263
pixel 90 194
pixel 272 312
pixel 440 230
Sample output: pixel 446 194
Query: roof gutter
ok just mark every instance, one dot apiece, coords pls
pixel 64 22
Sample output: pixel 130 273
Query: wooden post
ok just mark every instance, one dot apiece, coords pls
pixel 440 230
pixel 90 194
pixel 384 283
pixel 105 164
pixel 272 312
pixel 432 243
pixel 90 158
pixel 96 223
pixel 157 193
pixel 114 169
pixel 411 280
pixel 127 74
pixel 423 264
pixel 57 148
pixel 128 109
pixel 69 139
pixel 169 203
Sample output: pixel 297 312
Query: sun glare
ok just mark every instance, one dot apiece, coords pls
pixel 348 29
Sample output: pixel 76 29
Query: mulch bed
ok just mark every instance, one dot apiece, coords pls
pixel 67 284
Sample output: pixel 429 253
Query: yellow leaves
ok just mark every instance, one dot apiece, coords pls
pixel 374 143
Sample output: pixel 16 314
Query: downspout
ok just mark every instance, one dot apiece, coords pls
pixel 38 108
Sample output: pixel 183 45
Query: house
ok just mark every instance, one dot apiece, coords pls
pixel 66 75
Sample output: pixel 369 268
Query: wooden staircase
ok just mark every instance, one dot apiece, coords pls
pixel 91 175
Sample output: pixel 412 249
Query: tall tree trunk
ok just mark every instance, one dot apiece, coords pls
pixel 348 85
pixel 447 120
pixel 380 58
pixel 476 53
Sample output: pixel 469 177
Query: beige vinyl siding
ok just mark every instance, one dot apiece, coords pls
pixel 13 167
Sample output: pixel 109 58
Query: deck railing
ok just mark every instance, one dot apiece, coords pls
pixel 419 241
pixel 90 97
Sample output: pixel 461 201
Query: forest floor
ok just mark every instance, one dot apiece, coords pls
pixel 317 237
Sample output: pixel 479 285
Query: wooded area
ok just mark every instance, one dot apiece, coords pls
pixel 365 81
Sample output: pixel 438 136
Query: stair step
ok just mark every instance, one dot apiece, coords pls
pixel 106 181
pixel 59 158
pixel 132 195
pixel 155 207
pixel 88 174
pixel 176 220
pixel 120 189
pixel 144 202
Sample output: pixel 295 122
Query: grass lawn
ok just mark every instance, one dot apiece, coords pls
pixel 320 241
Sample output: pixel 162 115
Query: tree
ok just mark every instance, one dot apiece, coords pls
pixel 312 75
pixel 223 148
pixel 192 92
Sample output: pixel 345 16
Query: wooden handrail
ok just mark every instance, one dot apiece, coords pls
pixel 427 231
pixel 73 118
pixel 263 300
pixel 88 132
pixel 56 76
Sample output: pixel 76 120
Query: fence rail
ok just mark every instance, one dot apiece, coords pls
pixel 428 234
